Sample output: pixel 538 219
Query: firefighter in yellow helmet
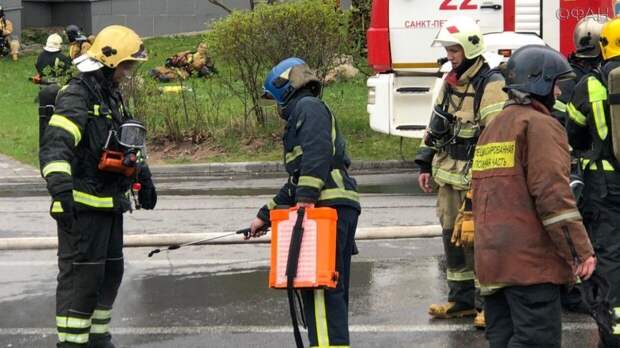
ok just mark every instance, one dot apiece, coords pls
pixel 90 127
pixel 594 130
pixel 7 44
pixel 470 97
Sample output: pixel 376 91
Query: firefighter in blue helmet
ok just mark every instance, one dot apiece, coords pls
pixel 317 164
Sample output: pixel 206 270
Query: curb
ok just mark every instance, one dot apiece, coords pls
pixel 153 240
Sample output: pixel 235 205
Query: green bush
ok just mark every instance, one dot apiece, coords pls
pixel 249 43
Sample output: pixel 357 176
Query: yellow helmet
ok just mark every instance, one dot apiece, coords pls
pixel 464 31
pixel 610 39
pixel 116 44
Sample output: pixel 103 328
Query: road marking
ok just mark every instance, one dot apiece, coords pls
pixel 198 330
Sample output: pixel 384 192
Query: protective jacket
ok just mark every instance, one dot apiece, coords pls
pixel 78 48
pixel 6 27
pixel 50 65
pixel 87 109
pixel 315 158
pixel 528 228
pixel 450 164
pixel 581 68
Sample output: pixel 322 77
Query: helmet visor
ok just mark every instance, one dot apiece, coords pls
pixel 132 134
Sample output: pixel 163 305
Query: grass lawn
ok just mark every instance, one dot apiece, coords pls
pixel 19 118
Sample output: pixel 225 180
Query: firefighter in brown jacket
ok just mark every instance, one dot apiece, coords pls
pixel 529 235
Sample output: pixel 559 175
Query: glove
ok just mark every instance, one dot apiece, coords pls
pixel 463 232
pixel 147 196
pixel 62 209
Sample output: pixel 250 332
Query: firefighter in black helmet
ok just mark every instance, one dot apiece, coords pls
pixel 89 185
pixel 78 42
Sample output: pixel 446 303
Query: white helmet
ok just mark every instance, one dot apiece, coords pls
pixel 463 31
pixel 54 43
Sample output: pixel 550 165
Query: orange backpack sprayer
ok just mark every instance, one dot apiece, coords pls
pixel 303 253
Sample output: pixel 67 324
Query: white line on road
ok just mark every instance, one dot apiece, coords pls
pixel 198 330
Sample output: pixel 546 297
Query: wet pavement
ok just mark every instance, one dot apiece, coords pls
pixel 217 296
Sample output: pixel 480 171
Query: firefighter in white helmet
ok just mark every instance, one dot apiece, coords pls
pixel 470 97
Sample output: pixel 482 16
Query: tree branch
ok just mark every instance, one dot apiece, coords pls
pixel 224 7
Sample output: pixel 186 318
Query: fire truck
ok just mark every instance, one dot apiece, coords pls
pixel 407 73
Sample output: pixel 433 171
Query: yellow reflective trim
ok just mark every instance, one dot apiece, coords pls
pixel 460 276
pixel 291 156
pixel 467 132
pixel 334 134
pixel 102 314
pixel 567 215
pixel 606 165
pixel 596 91
pixel 491 109
pixel 559 106
pixel 56 167
pixel 599 119
pixel 73 338
pixel 617 312
pixel 93 201
pixel 320 315
pixel 617 329
pixel 494 156
pixel 337 176
pixel 330 347
pixel 99 328
pixel 451 178
pixel 339 193
pixel 72 322
pixel 311 181
pixel 68 125
pixel 575 115
pixel 57 207
pixel 96 108
pixel 271 204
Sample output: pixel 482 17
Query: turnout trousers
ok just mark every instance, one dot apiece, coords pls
pixel 600 207
pixel 90 263
pixel 327 310
pixel 459 260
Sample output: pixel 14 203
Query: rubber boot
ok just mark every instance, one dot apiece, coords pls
pixel 479 321
pixel 450 310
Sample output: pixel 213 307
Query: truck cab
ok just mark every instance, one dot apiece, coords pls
pixel 408 76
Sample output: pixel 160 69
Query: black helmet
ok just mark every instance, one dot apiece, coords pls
pixel 1 12
pixel 72 31
pixel 534 69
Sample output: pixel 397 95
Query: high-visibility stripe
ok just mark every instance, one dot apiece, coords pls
pixel 608 167
pixel 597 93
pixel 468 132
pixel 339 193
pixel 320 316
pixel 337 176
pixel 93 201
pixel 99 328
pixel 451 178
pixel 271 204
pixel 599 119
pixel 102 314
pixel 73 338
pixel 96 108
pixel 567 215
pixel 459 276
pixel 491 109
pixel 311 182
pixel 291 156
pixel 57 207
pixel 68 125
pixel 72 322
pixel 559 106
pixel 330 346
pixel 56 167
pixel 575 115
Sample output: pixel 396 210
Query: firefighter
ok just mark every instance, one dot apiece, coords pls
pixel 317 165
pixel 51 63
pixel 592 132
pixel 529 235
pixel 184 64
pixel 470 97
pixel 89 128
pixel 78 42
pixel 10 46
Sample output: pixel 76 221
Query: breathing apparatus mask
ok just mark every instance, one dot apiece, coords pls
pixel 124 148
pixel 439 129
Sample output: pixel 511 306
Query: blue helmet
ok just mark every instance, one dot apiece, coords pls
pixel 278 84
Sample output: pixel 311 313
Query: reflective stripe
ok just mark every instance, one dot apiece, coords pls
pixel 72 322
pixel 102 314
pixel 93 201
pixel 597 93
pixel 460 276
pixel 575 115
pixel 271 204
pixel 339 193
pixel 334 134
pixel 468 132
pixel 599 119
pixel 311 181
pixel 291 156
pixel 337 176
pixel 567 215
pixel 491 109
pixel 99 328
pixel 68 125
pixel 96 108
pixel 559 106
pixel 320 316
pixel 57 167
pixel 617 313
pixel 330 346
pixel 57 207
pixel 451 178
pixel 73 338
pixel 596 90
pixel 606 165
